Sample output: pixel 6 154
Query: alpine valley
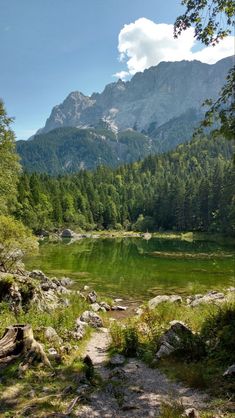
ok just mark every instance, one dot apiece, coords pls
pixel 153 112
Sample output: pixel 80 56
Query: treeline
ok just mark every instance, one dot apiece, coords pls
pixel 190 188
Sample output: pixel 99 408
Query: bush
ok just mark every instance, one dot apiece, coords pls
pixel 16 241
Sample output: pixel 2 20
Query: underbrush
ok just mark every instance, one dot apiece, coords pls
pixel 201 359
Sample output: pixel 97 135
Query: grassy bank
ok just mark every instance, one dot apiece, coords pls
pixel 199 361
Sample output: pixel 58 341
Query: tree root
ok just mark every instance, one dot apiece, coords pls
pixel 17 341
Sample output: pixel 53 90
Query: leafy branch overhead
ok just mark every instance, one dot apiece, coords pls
pixel 213 21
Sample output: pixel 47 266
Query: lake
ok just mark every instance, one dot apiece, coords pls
pixel 137 269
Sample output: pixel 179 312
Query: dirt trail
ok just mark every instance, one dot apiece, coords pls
pixel 132 390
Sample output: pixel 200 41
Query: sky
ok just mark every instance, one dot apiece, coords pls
pixel 49 48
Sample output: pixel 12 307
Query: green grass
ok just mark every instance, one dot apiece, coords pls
pixel 203 358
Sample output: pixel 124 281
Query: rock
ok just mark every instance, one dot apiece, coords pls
pixel 76 335
pixel 118 300
pixel 92 319
pixel 118 308
pixel 66 281
pixel 53 354
pixel 48 285
pixel 211 297
pixel 92 297
pixel 38 274
pixel 164 298
pixel 170 341
pixel 139 311
pixel 51 335
pixel 86 288
pixel 63 290
pixel 117 374
pixel 96 307
pixel 67 233
pixel 191 413
pixel 230 372
pixel 105 305
pixel 117 360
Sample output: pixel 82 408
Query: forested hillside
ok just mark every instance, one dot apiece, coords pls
pixel 68 150
pixel 190 188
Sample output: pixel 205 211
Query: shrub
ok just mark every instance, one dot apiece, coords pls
pixel 16 241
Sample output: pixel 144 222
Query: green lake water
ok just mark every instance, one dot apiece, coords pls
pixel 127 267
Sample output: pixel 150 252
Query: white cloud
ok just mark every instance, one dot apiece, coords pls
pixel 144 43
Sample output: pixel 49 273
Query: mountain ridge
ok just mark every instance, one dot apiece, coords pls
pixel 150 96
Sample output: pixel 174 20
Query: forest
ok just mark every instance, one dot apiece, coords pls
pixel 189 188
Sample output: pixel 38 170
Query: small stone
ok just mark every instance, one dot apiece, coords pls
pixel 118 300
pixel 105 305
pixel 118 308
pixel 66 281
pixel 86 288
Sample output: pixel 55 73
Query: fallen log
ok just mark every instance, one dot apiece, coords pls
pixel 18 340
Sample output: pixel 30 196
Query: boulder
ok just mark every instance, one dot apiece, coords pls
pixel 67 233
pixel 92 319
pixel 230 372
pixel 164 298
pixel 172 339
pixel 92 297
pixel 211 297
pixel 118 308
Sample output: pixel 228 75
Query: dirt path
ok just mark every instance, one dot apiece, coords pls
pixel 133 390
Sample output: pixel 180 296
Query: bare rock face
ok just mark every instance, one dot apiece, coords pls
pixel 152 97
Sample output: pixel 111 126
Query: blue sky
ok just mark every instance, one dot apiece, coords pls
pixel 49 48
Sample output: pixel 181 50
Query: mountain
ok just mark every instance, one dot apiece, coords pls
pixel 67 150
pixel 153 112
pixel 156 95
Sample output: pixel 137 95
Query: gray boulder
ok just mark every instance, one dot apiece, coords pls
pixel 92 319
pixel 172 339
pixel 92 297
pixel 164 298
pixel 38 274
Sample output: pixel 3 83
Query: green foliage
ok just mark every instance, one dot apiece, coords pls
pixel 172 409
pixel 190 188
pixel 218 330
pixel 208 18
pixel 213 21
pixel 9 164
pixel 16 240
